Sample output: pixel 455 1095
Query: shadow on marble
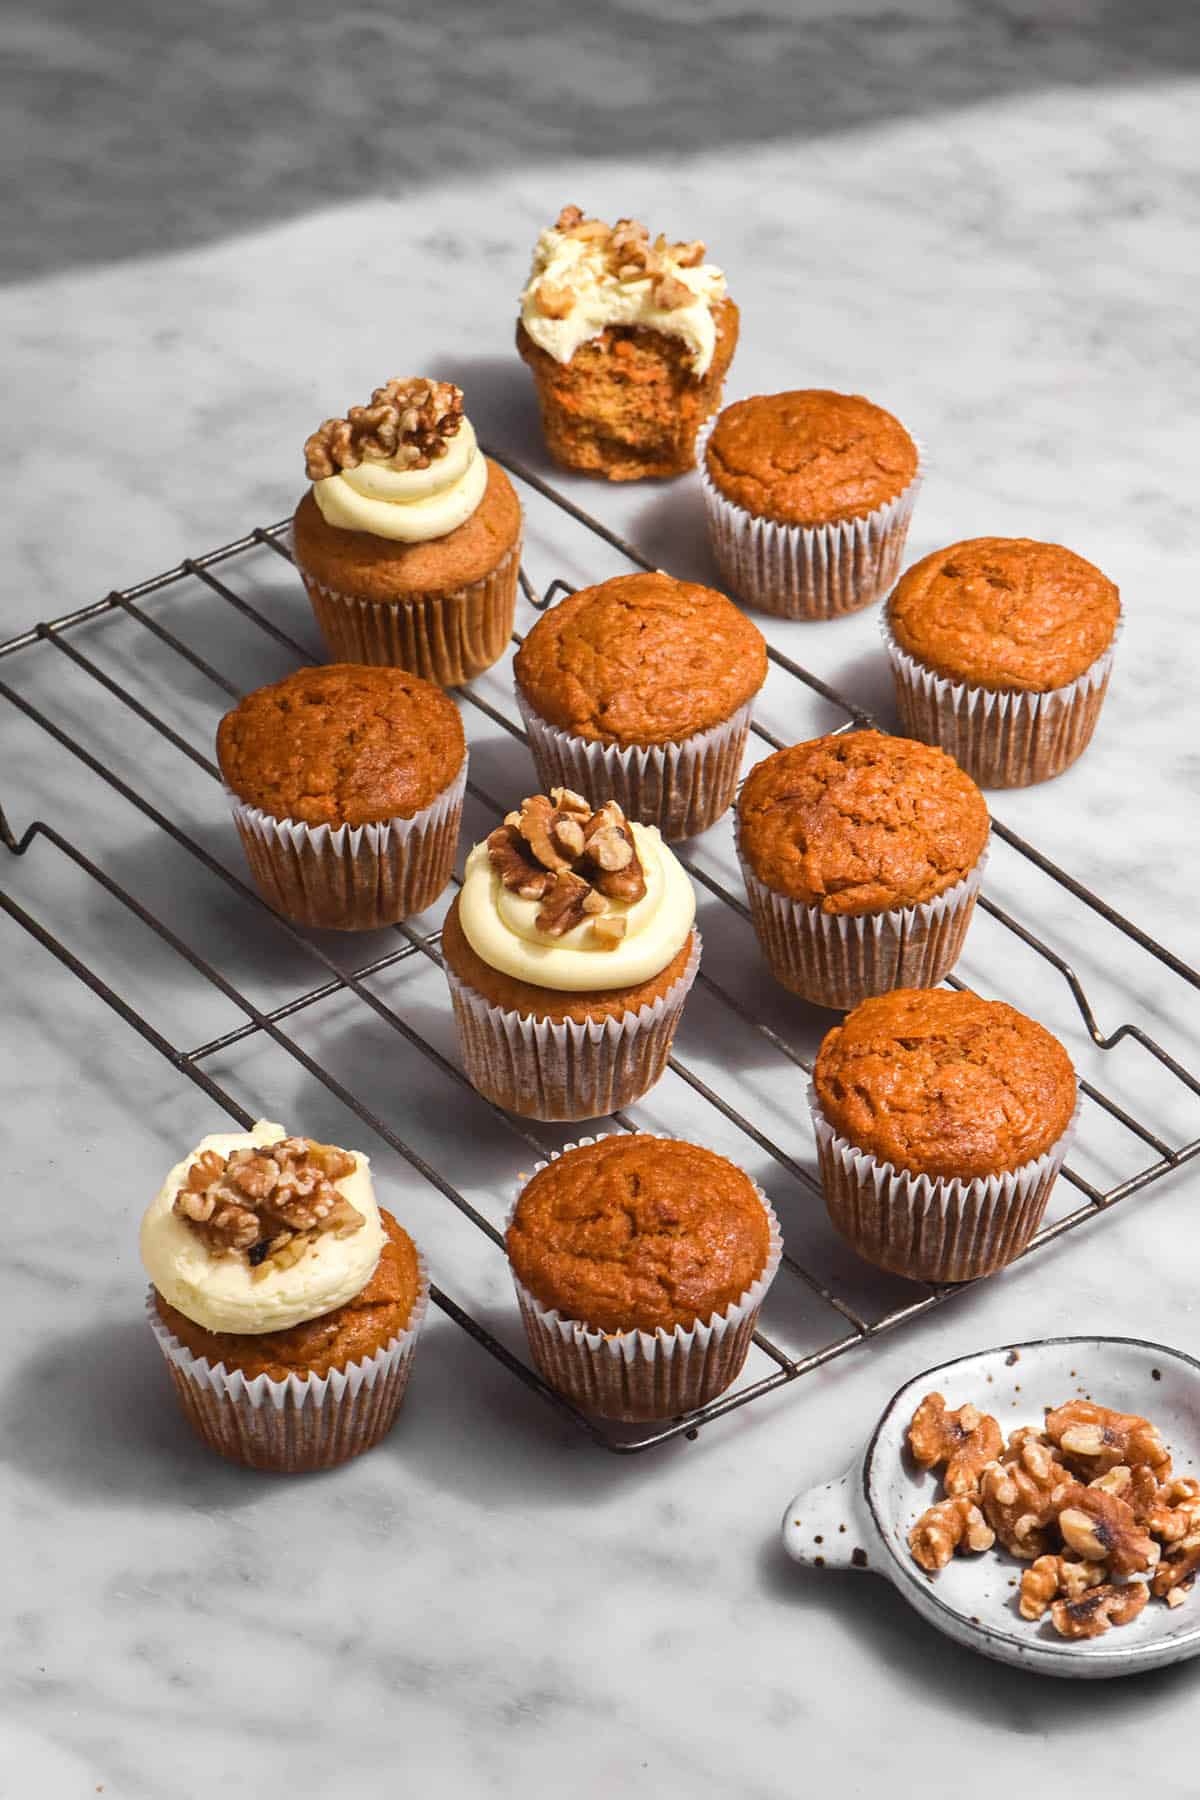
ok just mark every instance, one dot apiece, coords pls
pixel 499 398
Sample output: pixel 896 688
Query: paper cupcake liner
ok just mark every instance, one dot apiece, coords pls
pixel 1002 740
pixel 682 788
pixel 642 1375
pixel 835 960
pixel 354 877
pixel 551 1070
pixel 447 638
pixel 304 1423
pixel 931 1227
pixel 806 571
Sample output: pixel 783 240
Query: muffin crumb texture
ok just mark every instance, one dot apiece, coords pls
pixel 812 457
pixel 1005 613
pixel 639 1233
pixel 861 822
pixel 945 1083
pixel 342 745
pixel 641 659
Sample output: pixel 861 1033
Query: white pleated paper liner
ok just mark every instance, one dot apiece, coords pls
pixel 447 637
pixel 305 1422
pixel 1001 739
pixel 683 788
pixel 563 1070
pixel 932 1227
pixel 837 959
pixel 353 877
pixel 641 1375
pixel 807 571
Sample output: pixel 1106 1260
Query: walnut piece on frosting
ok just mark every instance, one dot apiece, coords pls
pixel 574 859
pixel 268 1204
pixel 409 422
pixel 627 254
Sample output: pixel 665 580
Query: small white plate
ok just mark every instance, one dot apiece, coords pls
pixel 863 1520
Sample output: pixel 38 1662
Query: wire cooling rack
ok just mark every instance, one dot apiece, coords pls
pixel 199 579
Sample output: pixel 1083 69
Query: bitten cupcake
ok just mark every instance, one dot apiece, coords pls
pixel 942 1121
pixel 641 690
pixel 570 951
pixel 347 789
pixel 1001 651
pixel 628 342
pixel 640 1265
pixel 808 497
pixel 862 855
pixel 286 1304
pixel 409 540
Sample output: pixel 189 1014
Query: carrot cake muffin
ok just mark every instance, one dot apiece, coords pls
pixel 570 951
pixel 862 856
pixel 1001 651
pixel 409 540
pixel 808 496
pixel 628 341
pixel 347 785
pixel 641 689
pixel 942 1121
pixel 286 1304
pixel 640 1264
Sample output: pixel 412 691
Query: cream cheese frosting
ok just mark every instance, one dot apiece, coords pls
pixel 219 1292
pixel 408 505
pixel 583 267
pixel 501 927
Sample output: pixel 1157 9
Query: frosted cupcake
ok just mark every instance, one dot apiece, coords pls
pixel 628 341
pixel 286 1304
pixel 570 951
pixel 409 540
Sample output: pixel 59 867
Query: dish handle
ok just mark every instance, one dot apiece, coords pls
pixel 829 1526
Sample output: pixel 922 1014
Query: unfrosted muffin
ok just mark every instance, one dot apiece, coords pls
pixel 942 1121
pixel 286 1303
pixel 641 689
pixel 409 539
pixel 808 496
pixel 640 1265
pixel 347 785
pixel 570 951
pixel 1001 651
pixel 628 342
pixel 862 855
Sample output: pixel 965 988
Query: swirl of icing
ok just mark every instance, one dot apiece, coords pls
pixel 408 505
pixel 501 927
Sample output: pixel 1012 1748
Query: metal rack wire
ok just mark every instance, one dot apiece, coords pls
pixel 61 634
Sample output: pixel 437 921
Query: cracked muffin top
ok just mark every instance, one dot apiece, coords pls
pixel 642 659
pixel 638 1233
pixel 944 1083
pixel 860 822
pixel 812 457
pixel 1006 613
pixel 342 745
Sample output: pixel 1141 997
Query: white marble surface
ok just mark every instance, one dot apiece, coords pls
pixel 487 1604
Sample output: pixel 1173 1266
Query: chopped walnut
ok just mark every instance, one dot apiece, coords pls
pixel 669 292
pixel 268 1203
pixel 514 862
pixel 1175 1575
pixel 1101 1527
pixel 1053 1576
pixel 1093 1439
pixel 554 301
pixel 549 838
pixel 1021 1498
pixel 610 846
pixel 609 930
pixel 409 422
pixel 965 1441
pixel 630 256
pixel 955 1524
pixel 1091 1614
pixel 566 904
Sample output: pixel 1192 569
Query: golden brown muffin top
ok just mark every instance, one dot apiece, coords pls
pixel 348 1334
pixel 944 1083
pixel 1005 613
pixel 634 1233
pixel 641 659
pixel 811 457
pixel 861 822
pixel 344 744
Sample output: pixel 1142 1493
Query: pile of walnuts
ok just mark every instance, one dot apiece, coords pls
pixel 1088 1500
pixel 629 255
pixel 573 859
pixel 269 1203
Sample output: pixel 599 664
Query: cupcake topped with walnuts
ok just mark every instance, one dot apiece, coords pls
pixel 629 338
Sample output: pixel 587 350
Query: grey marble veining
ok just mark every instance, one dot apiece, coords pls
pixel 487 1605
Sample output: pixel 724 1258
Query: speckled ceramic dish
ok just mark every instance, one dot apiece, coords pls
pixel 862 1521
